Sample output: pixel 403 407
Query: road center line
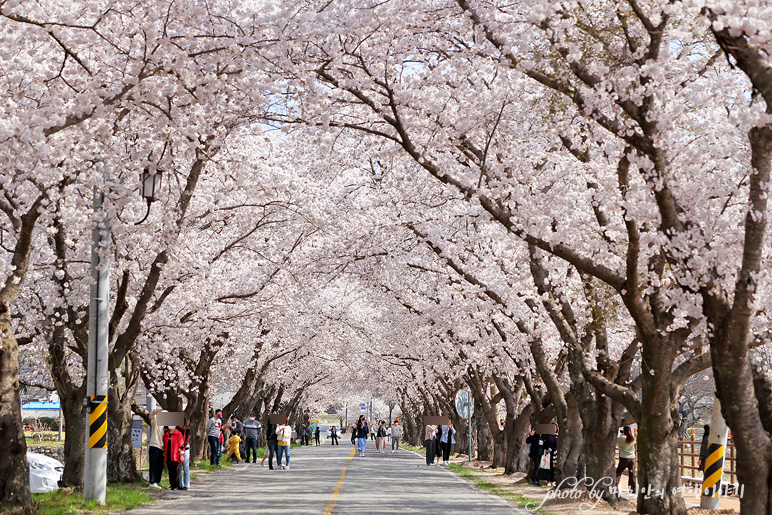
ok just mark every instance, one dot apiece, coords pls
pixel 336 493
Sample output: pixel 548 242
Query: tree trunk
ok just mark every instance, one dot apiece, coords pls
pixel 518 460
pixel 730 344
pixel 484 437
pixel 517 431
pixel 499 450
pixel 74 437
pixel 121 467
pixel 197 413
pixel 660 478
pixel 570 445
pixel 601 418
pixel 754 449
pixel 14 475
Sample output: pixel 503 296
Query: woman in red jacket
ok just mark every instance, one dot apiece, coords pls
pixel 173 442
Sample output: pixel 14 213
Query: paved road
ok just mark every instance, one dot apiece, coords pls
pixel 317 483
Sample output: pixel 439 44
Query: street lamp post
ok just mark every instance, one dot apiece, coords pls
pixel 149 185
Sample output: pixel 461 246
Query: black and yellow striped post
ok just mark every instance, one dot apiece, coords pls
pixel 714 460
pixel 97 422
pixel 714 469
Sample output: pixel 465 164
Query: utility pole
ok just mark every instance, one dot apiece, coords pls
pixel 95 473
pixel 469 424
pixel 714 460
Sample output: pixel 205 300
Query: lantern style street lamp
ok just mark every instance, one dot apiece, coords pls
pixel 150 183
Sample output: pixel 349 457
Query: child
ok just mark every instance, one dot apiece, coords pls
pixel 233 448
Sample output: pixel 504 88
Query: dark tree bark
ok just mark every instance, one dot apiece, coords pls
pixel 484 437
pixel 730 342
pixel 70 393
pixel 478 387
pixel 121 466
pixel 14 469
pixel 74 438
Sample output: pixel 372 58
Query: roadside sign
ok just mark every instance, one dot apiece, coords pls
pixel 464 404
pixel 136 432
pixel 363 406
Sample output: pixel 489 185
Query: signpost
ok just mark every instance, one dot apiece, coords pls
pixel 465 409
pixel 136 436
pixel 136 432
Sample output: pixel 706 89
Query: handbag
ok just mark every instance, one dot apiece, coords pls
pixel 545 462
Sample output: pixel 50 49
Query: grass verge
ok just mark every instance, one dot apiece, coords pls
pixel 517 499
pixel 47 443
pixel 119 497
pixel 419 450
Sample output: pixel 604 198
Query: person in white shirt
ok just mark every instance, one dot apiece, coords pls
pixel 213 430
pixel 447 440
pixel 396 434
pixel 284 434
pixel 155 451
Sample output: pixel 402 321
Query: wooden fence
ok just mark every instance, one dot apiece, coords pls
pixel 689 454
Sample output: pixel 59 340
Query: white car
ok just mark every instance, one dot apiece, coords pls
pixel 44 473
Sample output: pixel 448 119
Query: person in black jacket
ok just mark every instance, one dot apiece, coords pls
pixel 362 430
pixel 536 443
pixel 334 436
pixel 551 446
pixel 704 448
pixel 273 443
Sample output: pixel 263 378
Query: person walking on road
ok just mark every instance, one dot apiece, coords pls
pixel 334 436
pixel 380 438
pixel 252 428
pixel 185 455
pixel 396 434
pixel 284 432
pixel 362 431
pixel 429 436
pixel 438 445
pixel 271 442
pixel 155 451
pixel 317 434
pixel 447 439
pixel 213 432
pixel 172 446
pixel 626 445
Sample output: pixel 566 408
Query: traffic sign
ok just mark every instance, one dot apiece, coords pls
pixel 464 404
pixel 136 432
pixel 363 406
